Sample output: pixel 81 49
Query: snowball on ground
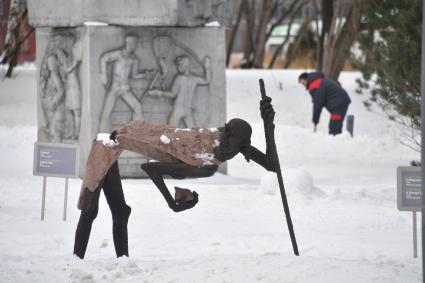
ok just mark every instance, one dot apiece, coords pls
pixel 165 139
pixel 298 184
pixel 213 130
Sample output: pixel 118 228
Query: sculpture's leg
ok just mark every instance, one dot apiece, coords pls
pixel 112 189
pixel 87 216
pixel 134 104
pixel 175 118
pixel 107 109
pixel 77 116
pixel 189 120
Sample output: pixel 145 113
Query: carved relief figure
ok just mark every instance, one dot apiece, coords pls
pixel 72 98
pixel 125 67
pixel 53 100
pixel 183 90
pixel 60 89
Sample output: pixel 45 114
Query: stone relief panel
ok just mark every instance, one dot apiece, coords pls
pixel 165 75
pixel 59 89
pixel 172 86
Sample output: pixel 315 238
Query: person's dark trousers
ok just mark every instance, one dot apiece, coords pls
pixel 112 189
pixel 337 120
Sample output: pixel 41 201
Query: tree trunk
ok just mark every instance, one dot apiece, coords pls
pixel 18 30
pixel 260 41
pixel 249 31
pixel 288 33
pixel 327 15
pixel 234 32
pixel 303 31
pixel 339 42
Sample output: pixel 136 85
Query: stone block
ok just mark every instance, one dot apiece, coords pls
pixel 72 13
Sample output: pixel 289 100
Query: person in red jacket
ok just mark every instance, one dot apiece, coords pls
pixel 329 94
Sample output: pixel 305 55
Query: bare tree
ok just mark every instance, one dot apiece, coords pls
pixel 234 31
pixel 261 34
pixel 18 30
pixel 292 11
pixel 341 36
pixel 296 49
pixel 259 24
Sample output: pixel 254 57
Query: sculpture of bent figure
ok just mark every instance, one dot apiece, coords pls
pixel 125 68
pixel 180 153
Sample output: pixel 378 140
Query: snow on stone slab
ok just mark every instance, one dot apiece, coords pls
pixel 182 129
pixel 216 143
pixel 213 24
pixel 165 139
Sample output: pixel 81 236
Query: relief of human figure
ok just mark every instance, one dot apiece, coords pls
pixel 183 89
pixel 72 99
pixel 125 67
pixel 53 100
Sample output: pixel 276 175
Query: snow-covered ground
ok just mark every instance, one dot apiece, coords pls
pixel 341 191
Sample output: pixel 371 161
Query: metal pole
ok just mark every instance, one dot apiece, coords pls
pixel 270 139
pixel 423 138
pixel 415 236
pixel 43 200
pixel 65 201
pixel 350 124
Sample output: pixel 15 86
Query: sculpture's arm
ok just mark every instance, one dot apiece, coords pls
pixel 206 79
pixel 250 152
pixel 135 73
pixel 156 171
pixel 265 160
pixel 104 60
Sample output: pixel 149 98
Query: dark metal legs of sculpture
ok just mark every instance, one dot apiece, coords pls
pixel 113 192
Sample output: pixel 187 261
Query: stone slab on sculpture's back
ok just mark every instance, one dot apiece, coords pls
pixel 71 13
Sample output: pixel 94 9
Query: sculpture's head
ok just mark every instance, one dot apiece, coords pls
pixel 52 63
pixel 235 136
pixel 182 63
pixel 131 42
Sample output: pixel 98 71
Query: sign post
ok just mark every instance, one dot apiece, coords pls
pixel 55 160
pixel 409 196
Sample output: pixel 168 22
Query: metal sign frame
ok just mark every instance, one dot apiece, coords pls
pixel 401 204
pixel 75 174
pixel 56 145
